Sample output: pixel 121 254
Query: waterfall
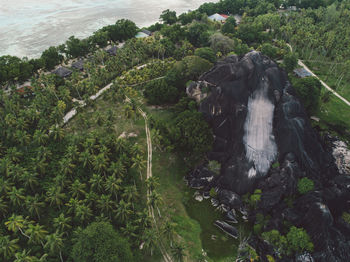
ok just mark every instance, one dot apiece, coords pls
pixel 258 137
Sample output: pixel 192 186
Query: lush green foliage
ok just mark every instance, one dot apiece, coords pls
pixel 290 61
pixel 168 17
pixel 346 217
pixel 206 53
pixel 229 26
pixel 309 90
pixel 158 92
pixel 305 185
pixel 99 242
pixel 296 241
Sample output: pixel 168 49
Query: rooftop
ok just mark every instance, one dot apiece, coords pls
pixel 79 65
pixel 112 51
pixel 302 72
pixel 217 17
pixel 62 72
pixel 141 35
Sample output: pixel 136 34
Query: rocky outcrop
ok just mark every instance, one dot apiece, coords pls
pixel 263 139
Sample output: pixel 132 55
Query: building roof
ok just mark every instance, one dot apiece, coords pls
pixel 112 50
pixel 141 35
pixel 302 72
pixel 217 17
pixel 62 72
pixel 225 16
pixel 79 65
pixel 146 32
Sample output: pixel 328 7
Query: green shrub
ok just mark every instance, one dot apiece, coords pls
pixel 255 198
pixel 346 217
pixel 276 239
pixel 276 165
pixel 212 192
pixel 298 241
pixel 305 185
pixel 214 166
pixel 206 53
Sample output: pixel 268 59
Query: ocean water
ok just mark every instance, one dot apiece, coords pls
pixel 27 27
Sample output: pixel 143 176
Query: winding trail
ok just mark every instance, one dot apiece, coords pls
pixel 323 83
pixel 166 256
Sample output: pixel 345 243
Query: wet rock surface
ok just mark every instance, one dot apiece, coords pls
pixel 263 139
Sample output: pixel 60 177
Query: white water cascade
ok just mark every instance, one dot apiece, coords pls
pixel 259 140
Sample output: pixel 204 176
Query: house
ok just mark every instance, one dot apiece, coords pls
pixel 78 65
pixel 218 17
pixel 301 72
pixel 112 51
pixel 62 72
pixel 143 33
pixel 149 33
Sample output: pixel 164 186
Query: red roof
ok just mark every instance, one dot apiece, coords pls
pixel 226 16
pixel 24 89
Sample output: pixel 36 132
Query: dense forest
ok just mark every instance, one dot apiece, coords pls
pixel 77 191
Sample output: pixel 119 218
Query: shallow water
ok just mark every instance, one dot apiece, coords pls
pixel 27 27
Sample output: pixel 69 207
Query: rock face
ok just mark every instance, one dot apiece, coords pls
pixel 257 121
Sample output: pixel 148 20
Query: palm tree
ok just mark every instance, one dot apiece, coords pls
pixel 96 182
pixel 152 182
pixel 15 223
pixel 150 239
pixel 90 198
pixel 23 256
pixel 154 200
pixel 56 132
pixel 117 168
pixel 105 203
pixel 100 162
pixel 8 247
pixel 61 223
pixel 168 230
pixel 3 206
pixel 130 230
pixel 36 233
pixel 16 196
pixel 55 196
pixel 77 188
pixel 139 163
pixel 66 165
pixel 54 243
pixel 5 185
pixel 40 137
pixel 29 179
pixel 143 218
pixel 85 158
pixel 178 252
pixel 123 210
pixel 112 185
pixel 34 204
pixel 83 212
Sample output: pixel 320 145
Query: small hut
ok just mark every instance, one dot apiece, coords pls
pixel 62 72
pixel 301 72
pixel 218 17
pixel 78 65
pixel 112 51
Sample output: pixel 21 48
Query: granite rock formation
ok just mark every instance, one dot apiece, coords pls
pixel 258 122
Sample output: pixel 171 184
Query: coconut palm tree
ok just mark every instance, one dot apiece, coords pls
pixel 8 247
pixel 168 230
pixel 61 223
pixel 54 244
pixel 29 179
pixel 113 186
pixel 150 239
pixel 17 223
pixel 85 158
pixel 117 168
pixel 123 210
pixel 83 212
pixel 36 233
pixel 16 196
pixel 55 196
pixel 34 205
pixel 100 162
pixel 139 163
pixel 178 252
pixel 96 182
pixel 77 188
pixel 23 256
pixel 152 182
pixel 3 206
pixel 105 203
pixel 154 200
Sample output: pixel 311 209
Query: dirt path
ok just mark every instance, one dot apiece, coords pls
pixel 166 256
pixel 323 83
